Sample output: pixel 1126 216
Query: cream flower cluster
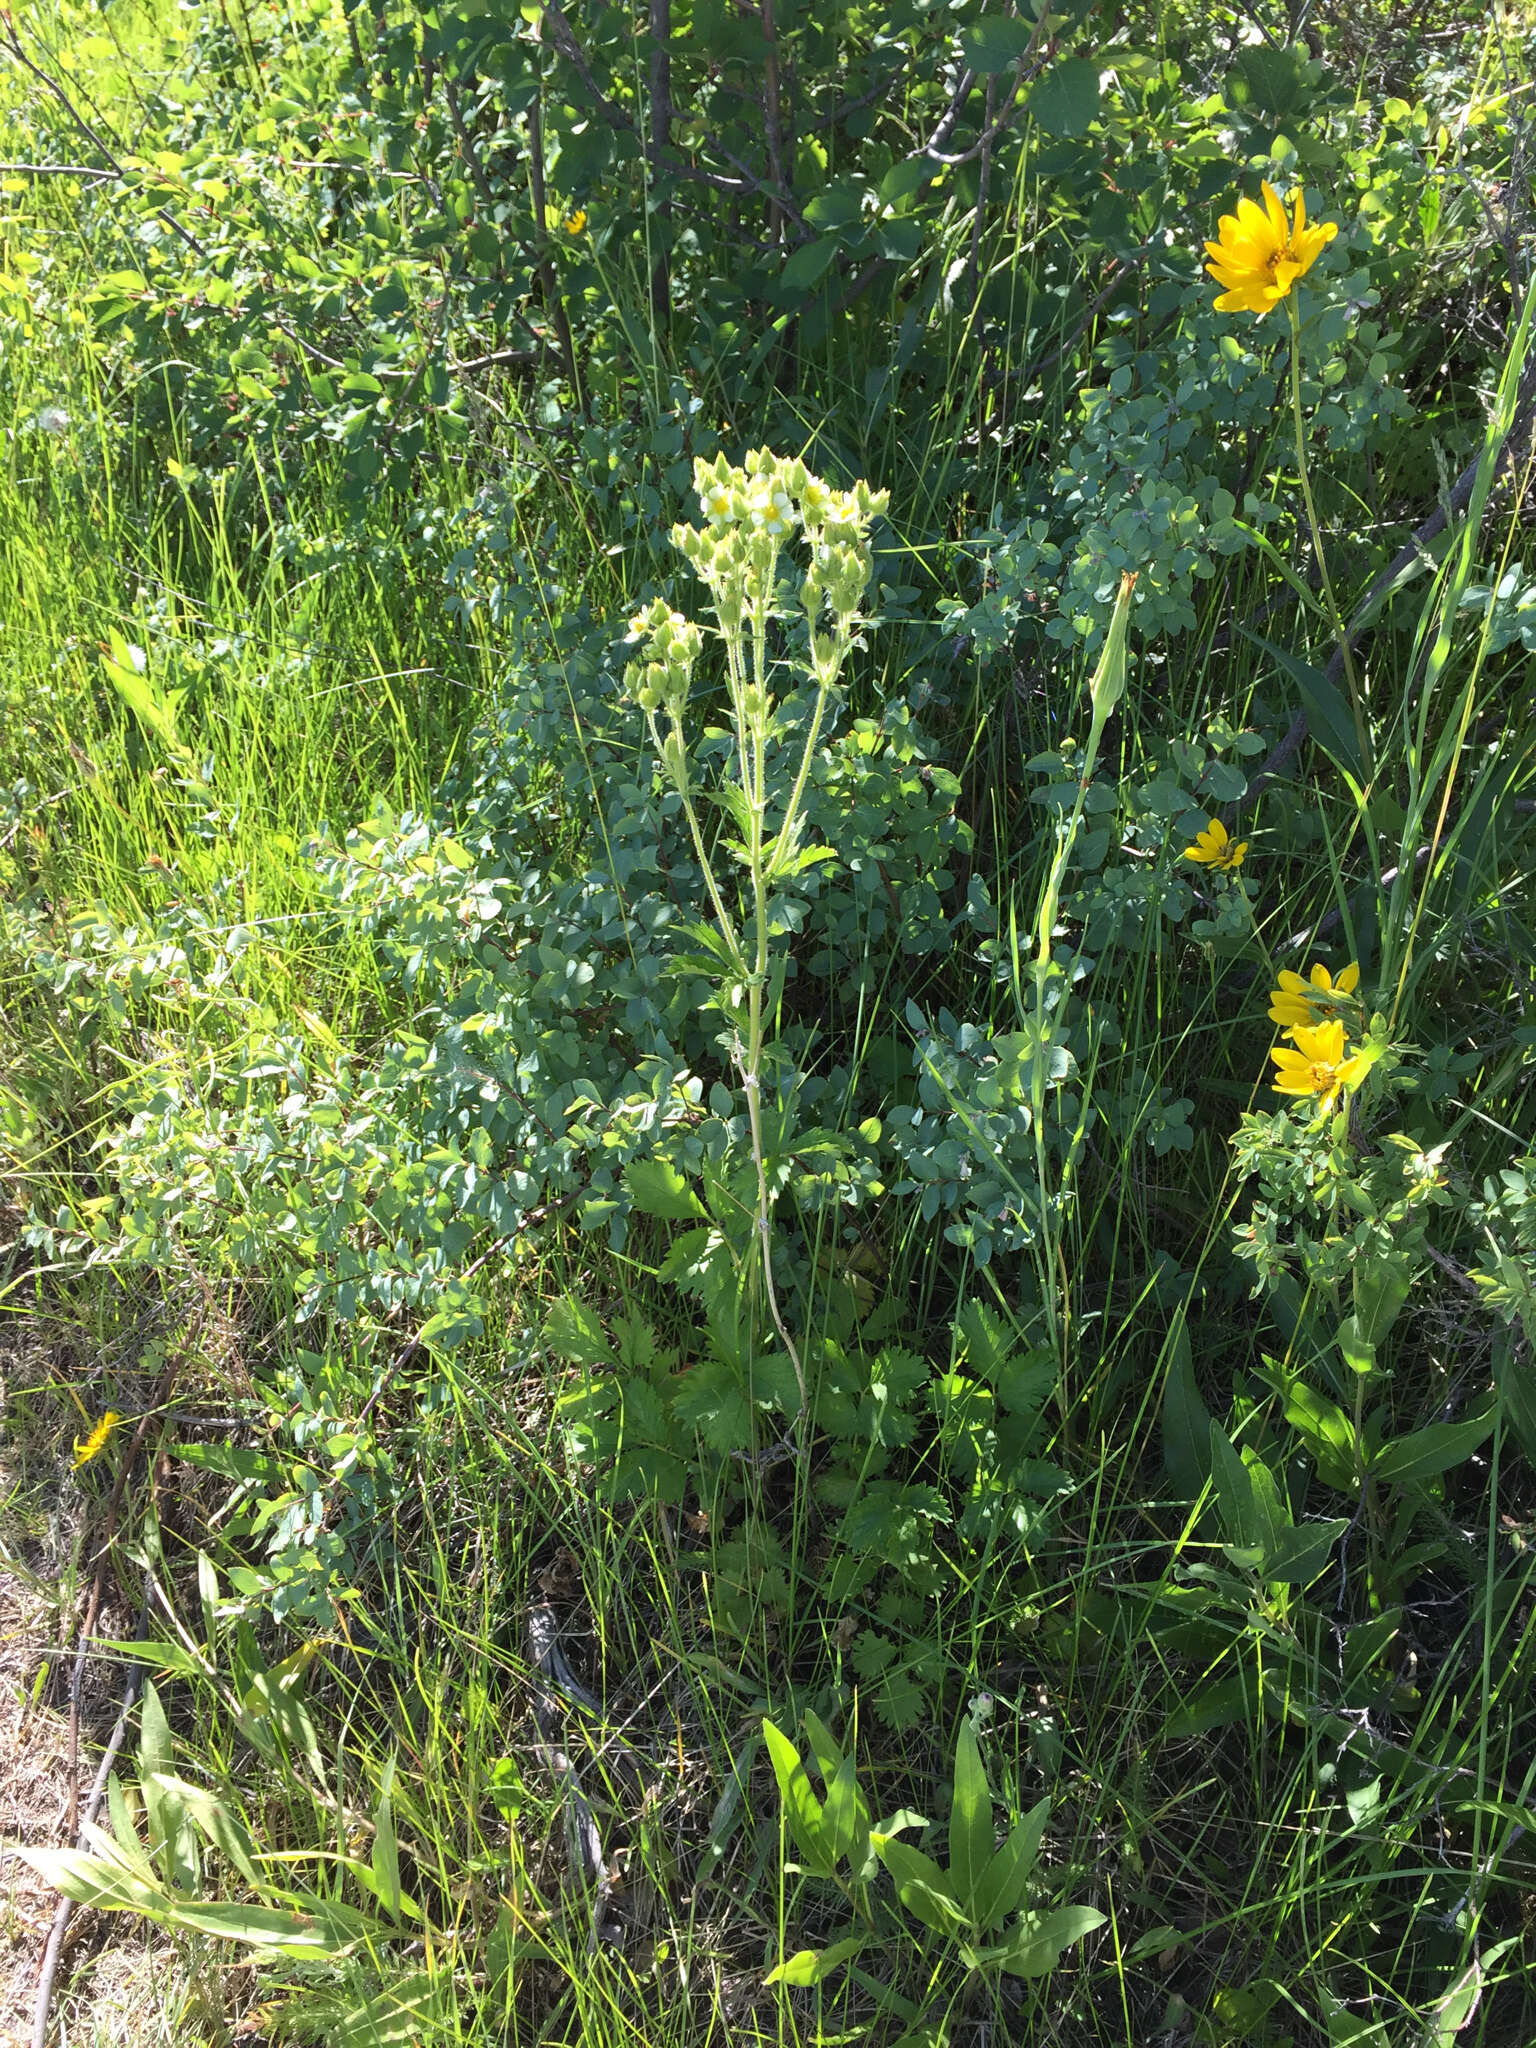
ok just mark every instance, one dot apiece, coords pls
pixel 670 644
pixel 772 495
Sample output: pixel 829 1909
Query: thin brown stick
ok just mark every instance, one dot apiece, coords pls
pixel 53 1948
pixel 98 1584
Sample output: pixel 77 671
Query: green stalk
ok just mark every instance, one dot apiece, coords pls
pixel 1105 692
pixel 1335 616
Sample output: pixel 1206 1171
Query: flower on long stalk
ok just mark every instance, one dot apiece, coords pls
pixel 1296 1003
pixel 1215 847
pixel 1260 252
pixel 1319 1063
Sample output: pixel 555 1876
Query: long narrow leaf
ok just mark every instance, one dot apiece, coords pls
pixel 971 1831
pixel 1001 1891
pixel 802 1809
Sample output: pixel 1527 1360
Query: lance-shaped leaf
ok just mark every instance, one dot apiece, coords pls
pixel 923 1888
pixel 971 1832
pixel 1002 1888
pixel 802 1809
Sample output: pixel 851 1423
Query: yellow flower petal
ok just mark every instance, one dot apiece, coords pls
pixel 96 1442
pixel 1261 253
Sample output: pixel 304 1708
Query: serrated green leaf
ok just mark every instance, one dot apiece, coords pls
pixel 657 1188
pixel 574 1332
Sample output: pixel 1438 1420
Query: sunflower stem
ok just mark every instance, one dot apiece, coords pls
pixel 1335 615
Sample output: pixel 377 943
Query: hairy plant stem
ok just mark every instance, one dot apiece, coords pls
pixel 752 743
pixel 1336 617
pixel 1105 691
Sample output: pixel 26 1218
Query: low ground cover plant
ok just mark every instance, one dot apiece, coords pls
pixel 768 1232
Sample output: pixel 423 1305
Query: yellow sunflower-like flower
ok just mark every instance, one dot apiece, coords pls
pixel 92 1446
pixel 575 222
pixel 1318 1064
pixel 1215 848
pixel 1294 1003
pixel 1260 252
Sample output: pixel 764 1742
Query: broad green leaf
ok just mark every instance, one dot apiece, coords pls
pixel 1001 1891
pixel 1234 1492
pixel 171 1659
pixel 1355 1347
pixel 997 42
pixel 825 1747
pixel 1514 1375
pixel 805 268
pixel 1327 1432
pixel 1381 1287
pixel 802 1809
pixel 451 1327
pixel 1218 1705
pixel 972 1834
pixel 385 1856
pixel 122 1845
pixel 208 1597
pixel 845 1816
pixel 231 1461
pixel 1065 101
pixel 1431 1450
pixel 227 1833
pixel 170 1832
pixel 1043 1938
pixel 97 1880
pixel 1453 2010
pixel 906 178
pixel 813 1965
pixel 922 1887
pixel 291 1934
pixel 1300 1553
